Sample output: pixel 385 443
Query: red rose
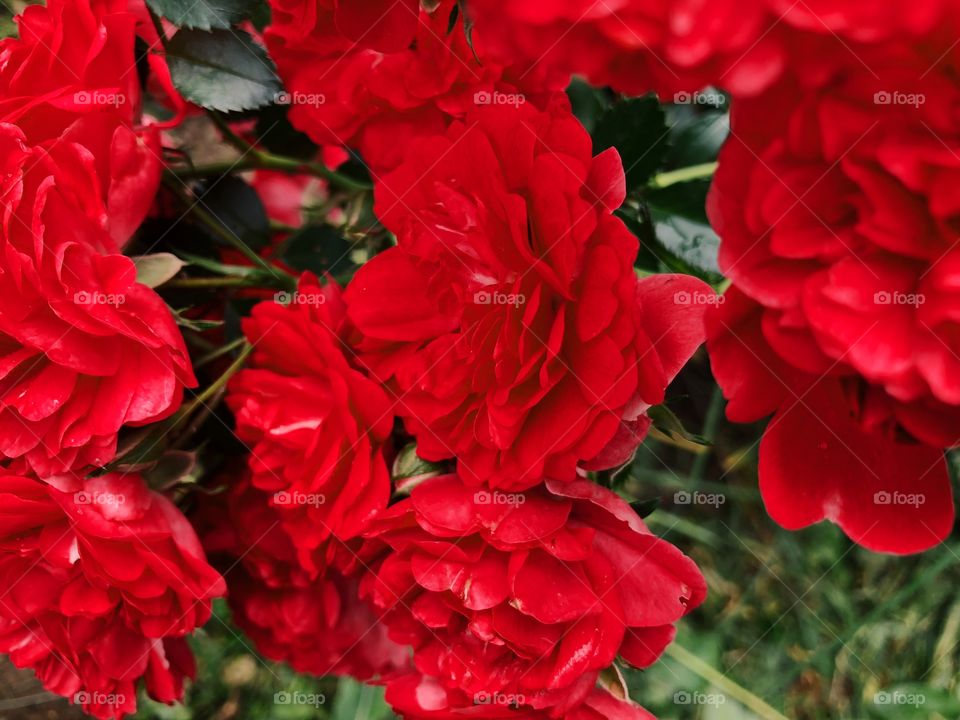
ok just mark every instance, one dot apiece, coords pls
pixel 71 76
pixel 679 46
pixel 316 624
pixel 102 580
pixel 509 318
pixel 840 238
pixel 417 697
pixel 636 47
pixel 375 76
pixel 528 595
pixel 316 426
pixel 85 348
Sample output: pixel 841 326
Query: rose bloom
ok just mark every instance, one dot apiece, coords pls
pixel 102 580
pixel 317 624
pixel 529 595
pixel 376 75
pixel 84 348
pixel 509 320
pixel 680 46
pixel 840 237
pixel 416 697
pixel 316 426
pixel 71 77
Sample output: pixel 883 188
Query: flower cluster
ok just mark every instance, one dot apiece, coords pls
pixel 839 234
pixel 419 486
pixel 103 578
pixel 510 333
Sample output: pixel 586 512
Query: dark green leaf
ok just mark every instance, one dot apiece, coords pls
pixel 238 207
pixel 643 508
pixel 222 70
pixel 203 14
pixel 588 103
pixel 319 249
pixel 697 138
pixel 638 129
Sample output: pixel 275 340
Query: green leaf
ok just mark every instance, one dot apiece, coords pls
pixel 319 249
pixel 203 14
pixel 669 424
pixel 696 138
pixel 154 270
pixel 356 701
pixel 222 70
pixel 239 208
pixel 637 129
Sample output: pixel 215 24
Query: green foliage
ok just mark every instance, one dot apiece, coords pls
pixel 222 70
pixel 203 14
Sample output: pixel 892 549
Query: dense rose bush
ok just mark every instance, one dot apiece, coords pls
pixel 839 236
pixel 376 76
pixel 317 428
pixel 102 580
pixel 509 319
pixel 528 595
